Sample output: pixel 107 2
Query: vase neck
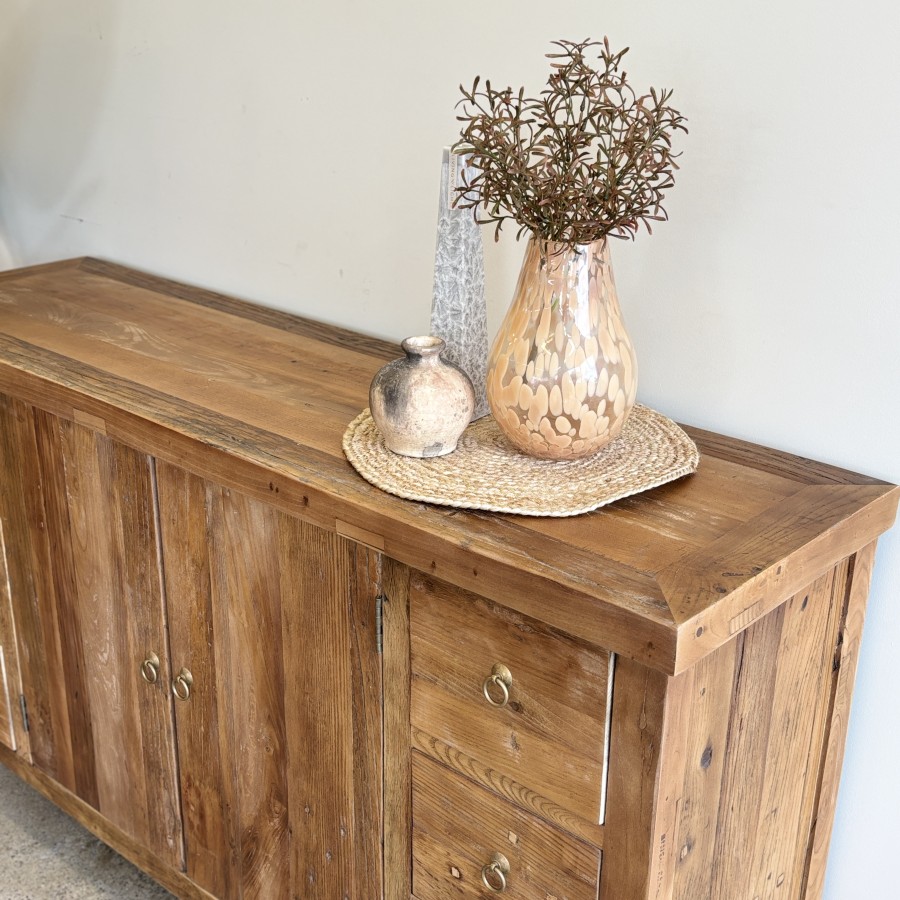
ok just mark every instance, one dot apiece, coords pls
pixel 556 256
pixel 426 348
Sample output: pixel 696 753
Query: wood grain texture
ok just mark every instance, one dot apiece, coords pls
pixel 624 611
pixel 118 346
pixel 737 579
pixel 458 826
pixel 733 599
pixel 10 685
pixel 629 852
pixel 332 334
pixel 123 843
pixel 212 848
pixel 551 734
pixel 397 744
pixel 506 787
pixel 319 686
pixel 26 553
pixel 742 750
pixel 776 462
pixel 703 744
pixel 367 692
pixel 752 690
pixel 61 621
pixel 846 658
pixel 280 744
pixel 121 618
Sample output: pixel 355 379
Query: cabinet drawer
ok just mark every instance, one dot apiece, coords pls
pixel 458 828
pixel 550 735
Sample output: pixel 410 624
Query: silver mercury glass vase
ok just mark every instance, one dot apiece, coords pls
pixel 458 309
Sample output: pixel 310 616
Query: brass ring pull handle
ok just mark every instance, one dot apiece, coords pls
pixel 496 686
pixel 150 668
pixel 181 686
pixel 493 875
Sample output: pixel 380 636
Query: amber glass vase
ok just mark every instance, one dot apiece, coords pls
pixel 562 373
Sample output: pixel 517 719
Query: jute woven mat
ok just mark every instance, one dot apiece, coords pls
pixel 487 472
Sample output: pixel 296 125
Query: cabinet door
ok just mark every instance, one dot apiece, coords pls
pixel 280 741
pixel 85 584
pixel 27 595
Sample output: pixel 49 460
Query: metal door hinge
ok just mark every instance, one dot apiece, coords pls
pixel 23 708
pixel 379 623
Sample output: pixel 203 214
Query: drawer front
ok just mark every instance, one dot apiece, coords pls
pixel 550 734
pixel 459 829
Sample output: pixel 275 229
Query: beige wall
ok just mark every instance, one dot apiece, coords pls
pixel 289 153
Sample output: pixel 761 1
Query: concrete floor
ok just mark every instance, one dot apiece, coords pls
pixel 45 855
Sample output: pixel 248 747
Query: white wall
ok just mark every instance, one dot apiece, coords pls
pixel 289 153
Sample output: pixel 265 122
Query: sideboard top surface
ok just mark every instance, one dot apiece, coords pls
pixel 260 399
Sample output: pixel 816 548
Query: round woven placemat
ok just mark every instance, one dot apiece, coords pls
pixel 487 472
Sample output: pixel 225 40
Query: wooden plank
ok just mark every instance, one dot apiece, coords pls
pixel 652 530
pixel 820 696
pixel 751 701
pixel 367 714
pixel 102 828
pixel 30 587
pixel 776 462
pixel 673 764
pixel 151 338
pixel 247 597
pixel 10 686
pixel 396 704
pixel 331 334
pixel 846 657
pixel 749 571
pixel 292 612
pixel 317 570
pixel 458 826
pixel 206 773
pixel 704 745
pixel 143 631
pixel 767 693
pixel 120 616
pixel 794 749
pixel 73 729
pixel 89 472
pixel 291 407
pixel 517 793
pixel 66 266
pixel 550 735
pixel 639 705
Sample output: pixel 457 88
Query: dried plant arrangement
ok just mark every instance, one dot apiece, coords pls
pixel 585 159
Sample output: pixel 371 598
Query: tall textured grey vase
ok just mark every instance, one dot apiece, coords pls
pixel 458 309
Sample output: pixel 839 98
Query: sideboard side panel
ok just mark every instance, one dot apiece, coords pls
pixel 844 669
pixel 742 797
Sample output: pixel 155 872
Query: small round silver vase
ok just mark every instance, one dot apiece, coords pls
pixel 421 403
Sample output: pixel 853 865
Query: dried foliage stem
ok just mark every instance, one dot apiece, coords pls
pixel 586 159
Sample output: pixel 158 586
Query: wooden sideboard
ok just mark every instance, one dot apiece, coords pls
pixel 255 675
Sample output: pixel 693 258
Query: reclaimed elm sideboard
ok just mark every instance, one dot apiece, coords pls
pixel 255 675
